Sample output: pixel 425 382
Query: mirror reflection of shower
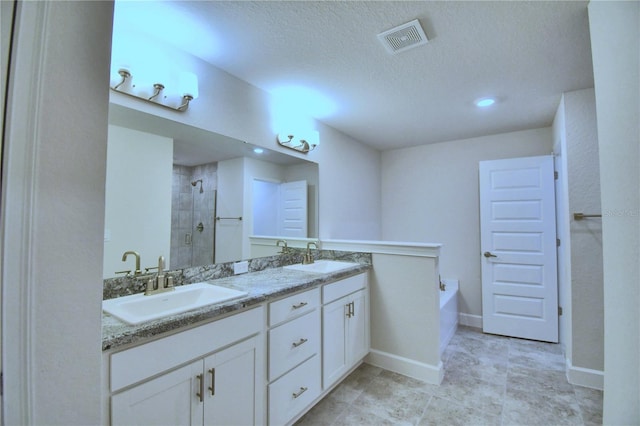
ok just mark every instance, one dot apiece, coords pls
pixel 195 182
pixel 193 209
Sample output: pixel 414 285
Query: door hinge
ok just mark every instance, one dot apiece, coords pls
pixel 559 310
pixel 555 175
pixel 557 242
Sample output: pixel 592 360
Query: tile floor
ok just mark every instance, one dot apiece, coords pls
pixel 489 380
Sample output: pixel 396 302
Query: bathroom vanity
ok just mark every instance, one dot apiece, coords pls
pixel 265 358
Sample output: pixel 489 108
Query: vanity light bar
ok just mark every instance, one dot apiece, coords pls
pixel 189 93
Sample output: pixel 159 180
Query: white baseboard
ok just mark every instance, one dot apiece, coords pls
pixel 585 377
pixel 470 320
pixel 418 370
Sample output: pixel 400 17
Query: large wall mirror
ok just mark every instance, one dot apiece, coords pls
pixel 195 197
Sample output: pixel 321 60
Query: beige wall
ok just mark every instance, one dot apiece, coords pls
pixel 615 45
pixel 430 194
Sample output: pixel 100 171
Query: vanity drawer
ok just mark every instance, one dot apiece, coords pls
pixel 148 359
pixel 293 306
pixel 293 342
pixel 334 291
pixel 294 391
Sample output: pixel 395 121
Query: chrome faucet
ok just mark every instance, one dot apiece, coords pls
pixel 308 258
pixel 137 271
pixel 285 249
pixel 161 283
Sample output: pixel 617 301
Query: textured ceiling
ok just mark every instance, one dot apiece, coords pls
pixel 525 53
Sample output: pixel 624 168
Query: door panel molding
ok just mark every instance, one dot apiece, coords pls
pixel 518 230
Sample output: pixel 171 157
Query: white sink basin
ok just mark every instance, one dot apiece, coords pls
pixel 138 308
pixel 322 266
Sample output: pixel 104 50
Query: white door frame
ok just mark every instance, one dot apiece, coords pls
pixel 18 191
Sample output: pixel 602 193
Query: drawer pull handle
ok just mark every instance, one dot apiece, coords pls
pixel 300 305
pixel 200 394
pixel 300 342
pixel 300 392
pixel 212 388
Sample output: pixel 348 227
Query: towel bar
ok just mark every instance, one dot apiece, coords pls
pixel 580 216
pixel 229 218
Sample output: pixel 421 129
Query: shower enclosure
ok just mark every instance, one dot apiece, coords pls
pixel 193 209
pixel 203 228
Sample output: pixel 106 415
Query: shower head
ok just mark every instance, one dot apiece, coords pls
pixel 195 182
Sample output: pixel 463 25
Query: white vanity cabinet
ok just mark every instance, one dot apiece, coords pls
pixel 212 374
pixel 294 355
pixel 345 322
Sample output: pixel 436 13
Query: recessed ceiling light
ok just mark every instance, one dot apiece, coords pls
pixel 258 150
pixel 484 102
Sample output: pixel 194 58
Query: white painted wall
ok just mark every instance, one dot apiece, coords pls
pixel 265 208
pixel 615 45
pixel 349 187
pixel 231 202
pixel 580 254
pixel 430 194
pixel 138 191
pixel 53 213
pixel 405 315
pixel 586 235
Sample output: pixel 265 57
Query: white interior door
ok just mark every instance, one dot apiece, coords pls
pixel 292 211
pixel 518 248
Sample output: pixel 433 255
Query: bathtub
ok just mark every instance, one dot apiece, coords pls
pixel 448 312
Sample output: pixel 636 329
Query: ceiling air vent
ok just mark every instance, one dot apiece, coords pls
pixel 404 37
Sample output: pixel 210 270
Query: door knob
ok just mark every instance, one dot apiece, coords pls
pixel 488 254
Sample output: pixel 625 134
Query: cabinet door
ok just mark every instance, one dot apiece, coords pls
pixel 169 399
pixel 334 354
pixel 357 341
pixel 230 385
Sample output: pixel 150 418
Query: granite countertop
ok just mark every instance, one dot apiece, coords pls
pixel 261 286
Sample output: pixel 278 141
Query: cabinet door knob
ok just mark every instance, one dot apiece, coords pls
pixel 300 305
pixel 300 342
pixel 300 392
